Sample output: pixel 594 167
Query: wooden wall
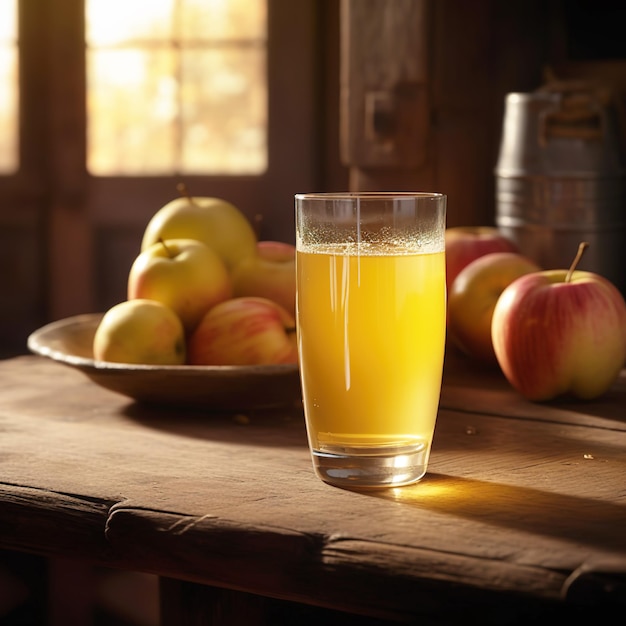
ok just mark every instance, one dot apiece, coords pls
pixel 476 52
pixel 423 87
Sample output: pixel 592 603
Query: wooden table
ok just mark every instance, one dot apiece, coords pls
pixel 522 514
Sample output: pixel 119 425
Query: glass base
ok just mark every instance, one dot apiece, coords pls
pixel 371 468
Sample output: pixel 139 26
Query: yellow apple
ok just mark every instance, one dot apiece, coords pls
pixel 140 332
pixel 184 274
pixel 270 274
pixel 473 297
pixel 244 331
pixel 215 222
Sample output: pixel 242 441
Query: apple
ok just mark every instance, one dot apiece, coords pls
pixel 560 332
pixel 270 274
pixel 140 332
pixel 466 243
pixel 213 221
pixel 473 296
pixel 244 331
pixel 184 274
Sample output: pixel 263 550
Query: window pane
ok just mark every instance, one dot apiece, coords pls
pixel 133 109
pixel 8 87
pixel 177 87
pixel 111 22
pixel 223 19
pixel 224 112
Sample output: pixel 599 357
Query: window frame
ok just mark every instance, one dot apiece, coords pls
pixel 89 227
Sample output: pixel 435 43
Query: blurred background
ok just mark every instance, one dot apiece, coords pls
pixel 106 105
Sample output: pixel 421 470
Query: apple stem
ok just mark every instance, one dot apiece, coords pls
pixel 167 249
pixel 582 246
pixel 258 221
pixel 184 192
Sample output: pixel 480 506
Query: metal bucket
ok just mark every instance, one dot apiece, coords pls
pixel 560 180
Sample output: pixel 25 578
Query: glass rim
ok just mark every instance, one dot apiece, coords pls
pixel 351 195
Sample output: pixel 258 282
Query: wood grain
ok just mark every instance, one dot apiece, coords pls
pixel 523 507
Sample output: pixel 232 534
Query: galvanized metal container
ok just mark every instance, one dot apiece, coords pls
pixel 560 179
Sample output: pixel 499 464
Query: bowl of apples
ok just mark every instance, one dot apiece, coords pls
pixel 209 321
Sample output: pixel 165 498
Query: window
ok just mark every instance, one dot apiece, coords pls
pixel 8 87
pixel 106 105
pixel 176 87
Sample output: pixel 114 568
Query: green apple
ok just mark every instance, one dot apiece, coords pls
pixel 215 222
pixel 270 274
pixel 473 296
pixel 184 274
pixel 140 332
pixel 244 331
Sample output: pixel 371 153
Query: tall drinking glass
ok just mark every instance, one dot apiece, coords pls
pixel 371 312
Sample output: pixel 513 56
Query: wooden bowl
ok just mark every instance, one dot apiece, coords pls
pixel 69 341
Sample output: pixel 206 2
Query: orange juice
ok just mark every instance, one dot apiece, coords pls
pixel 371 333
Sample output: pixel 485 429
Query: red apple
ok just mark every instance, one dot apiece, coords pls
pixel 270 274
pixel 466 243
pixel 473 296
pixel 244 331
pixel 184 274
pixel 560 332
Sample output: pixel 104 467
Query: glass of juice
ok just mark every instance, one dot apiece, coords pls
pixel 371 324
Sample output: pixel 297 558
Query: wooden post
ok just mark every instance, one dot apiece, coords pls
pixel 385 111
